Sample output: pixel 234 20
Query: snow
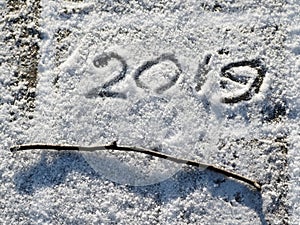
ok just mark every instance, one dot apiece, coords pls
pixel 256 137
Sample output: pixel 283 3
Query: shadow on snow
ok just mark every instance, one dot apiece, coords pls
pixel 50 173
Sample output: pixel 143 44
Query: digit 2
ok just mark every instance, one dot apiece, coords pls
pixel 104 90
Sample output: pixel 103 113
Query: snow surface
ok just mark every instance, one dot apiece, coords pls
pixel 258 138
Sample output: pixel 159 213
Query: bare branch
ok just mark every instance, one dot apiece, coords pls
pixel 115 146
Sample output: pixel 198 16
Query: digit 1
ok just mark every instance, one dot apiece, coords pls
pixel 201 75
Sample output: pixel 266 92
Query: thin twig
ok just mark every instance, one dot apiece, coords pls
pixel 115 146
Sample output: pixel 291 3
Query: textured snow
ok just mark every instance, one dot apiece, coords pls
pixel 193 38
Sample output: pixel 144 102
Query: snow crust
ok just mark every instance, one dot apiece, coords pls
pixel 119 188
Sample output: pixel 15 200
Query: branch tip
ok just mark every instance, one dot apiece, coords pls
pixel 15 148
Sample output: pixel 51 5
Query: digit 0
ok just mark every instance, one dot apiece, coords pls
pixel 147 65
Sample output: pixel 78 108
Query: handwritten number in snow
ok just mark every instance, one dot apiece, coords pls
pixel 147 65
pixel 201 75
pixel 200 78
pixel 104 90
pixel 254 87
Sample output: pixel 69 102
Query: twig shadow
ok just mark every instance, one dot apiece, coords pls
pixel 51 173
pixel 219 187
pixel 54 172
